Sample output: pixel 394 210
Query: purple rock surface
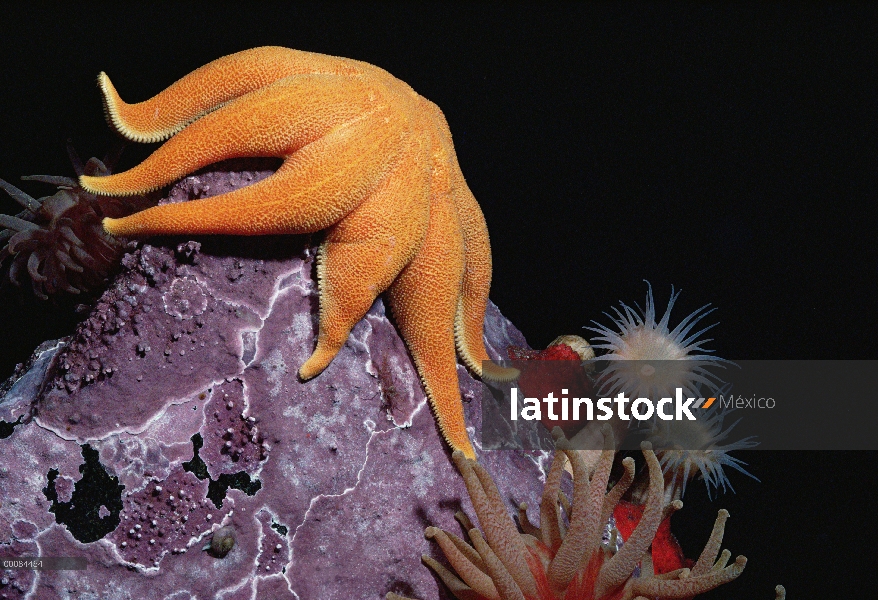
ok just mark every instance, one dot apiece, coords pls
pixel 175 410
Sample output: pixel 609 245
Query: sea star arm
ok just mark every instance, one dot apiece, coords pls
pixel 424 300
pixel 470 317
pixel 211 86
pixel 338 138
pixel 362 255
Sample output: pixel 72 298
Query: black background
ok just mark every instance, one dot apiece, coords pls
pixel 726 150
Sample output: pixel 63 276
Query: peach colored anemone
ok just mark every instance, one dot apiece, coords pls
pixel 571 562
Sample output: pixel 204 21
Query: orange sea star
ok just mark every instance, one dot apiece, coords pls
pixel 366 158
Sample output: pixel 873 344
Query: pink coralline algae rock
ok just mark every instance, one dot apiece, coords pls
pixel 174 411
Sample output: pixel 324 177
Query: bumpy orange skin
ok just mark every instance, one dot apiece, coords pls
pixel 367 159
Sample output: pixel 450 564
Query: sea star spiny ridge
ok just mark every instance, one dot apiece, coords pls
pixel 364 157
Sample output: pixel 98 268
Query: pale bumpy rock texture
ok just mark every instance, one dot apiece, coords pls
pixel 175 410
